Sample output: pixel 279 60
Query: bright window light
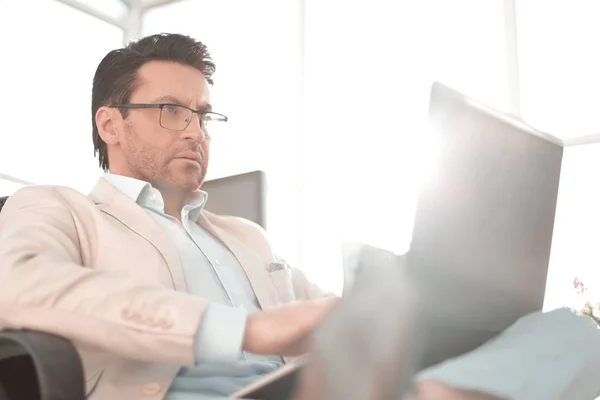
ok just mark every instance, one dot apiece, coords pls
pixel 46 91
pixel 559 67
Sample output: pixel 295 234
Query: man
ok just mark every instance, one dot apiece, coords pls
pixel 137 275
pixel 161 298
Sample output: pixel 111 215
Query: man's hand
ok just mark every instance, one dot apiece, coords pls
pixel 286 329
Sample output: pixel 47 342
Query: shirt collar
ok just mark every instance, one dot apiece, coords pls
pixel 145 195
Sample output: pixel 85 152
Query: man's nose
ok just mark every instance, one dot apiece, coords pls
pixel 194 131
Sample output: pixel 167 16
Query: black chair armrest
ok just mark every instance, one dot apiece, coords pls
pixel 33 360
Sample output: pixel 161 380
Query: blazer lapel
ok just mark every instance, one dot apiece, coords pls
pixel 253 265
pixel 111 201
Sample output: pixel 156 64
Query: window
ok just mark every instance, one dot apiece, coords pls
pixel 113 8
pixel 368 71
pixel 559 65
pixel 8 187
pixel 45 136
pixel 575 250
pixel 559 85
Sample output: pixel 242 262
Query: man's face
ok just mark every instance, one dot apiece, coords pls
pixel 169 160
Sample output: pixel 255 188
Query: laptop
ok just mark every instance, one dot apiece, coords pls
pixel 480 248
pixel 483 224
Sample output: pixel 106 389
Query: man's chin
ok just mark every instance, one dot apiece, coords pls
pixel 191 182
pixel 189 185
pixel 186 182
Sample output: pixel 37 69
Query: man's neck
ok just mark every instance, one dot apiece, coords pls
pixel 173 210
pixel 174 200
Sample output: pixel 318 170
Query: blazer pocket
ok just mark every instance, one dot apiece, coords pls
pixel 281 276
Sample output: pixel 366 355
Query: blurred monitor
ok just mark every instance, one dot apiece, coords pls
pixel 483 224
pixel 242 195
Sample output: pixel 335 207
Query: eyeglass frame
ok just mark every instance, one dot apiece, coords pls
pixel 160 106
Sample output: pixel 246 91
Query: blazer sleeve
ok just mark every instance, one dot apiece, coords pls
pixel 45 287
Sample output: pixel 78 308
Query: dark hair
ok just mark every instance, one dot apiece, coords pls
pixel 115 79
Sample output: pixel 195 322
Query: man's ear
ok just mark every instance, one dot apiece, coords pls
pixel 108 121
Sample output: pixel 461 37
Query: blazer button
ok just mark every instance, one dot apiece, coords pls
pixel 152 389
pixel 137 317
pixel 153 323
pixel 126 313
pixel 166 323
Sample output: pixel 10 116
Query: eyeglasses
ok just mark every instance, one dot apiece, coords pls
pixel 177 117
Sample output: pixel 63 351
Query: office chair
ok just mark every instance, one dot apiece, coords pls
pixel 36 365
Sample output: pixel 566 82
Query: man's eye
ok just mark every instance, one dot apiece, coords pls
pixel 169 109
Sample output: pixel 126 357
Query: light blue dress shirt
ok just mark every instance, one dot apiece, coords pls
pixel 212 272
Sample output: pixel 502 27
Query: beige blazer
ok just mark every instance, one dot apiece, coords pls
pixel 98 270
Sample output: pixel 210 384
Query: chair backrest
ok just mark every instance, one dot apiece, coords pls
pixel 2 201
pixel 242 195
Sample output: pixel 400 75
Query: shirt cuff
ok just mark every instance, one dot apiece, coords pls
pixel 221 334
pixel 554 355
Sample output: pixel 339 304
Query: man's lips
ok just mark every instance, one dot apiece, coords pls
pixel 190 155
